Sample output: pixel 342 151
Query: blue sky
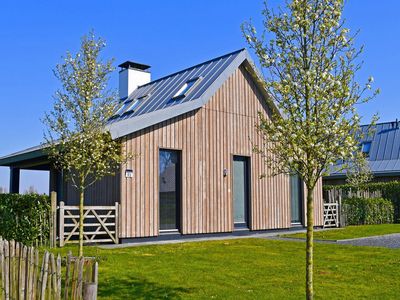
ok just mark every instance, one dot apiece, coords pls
pixel 168 35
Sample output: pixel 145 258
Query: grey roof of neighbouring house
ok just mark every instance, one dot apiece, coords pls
pixel 158 107
pixel 384 154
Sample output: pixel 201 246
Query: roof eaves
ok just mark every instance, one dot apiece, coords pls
pixel 27 154
pixel 131 125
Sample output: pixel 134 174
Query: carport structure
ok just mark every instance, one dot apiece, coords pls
pixel 36 159
pixel 100 221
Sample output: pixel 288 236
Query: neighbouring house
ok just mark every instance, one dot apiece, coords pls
pixel 381 147
pixel 195 172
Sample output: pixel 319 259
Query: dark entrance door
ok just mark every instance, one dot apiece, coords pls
pixel 169 189
pixel 241 191
pixel 296 200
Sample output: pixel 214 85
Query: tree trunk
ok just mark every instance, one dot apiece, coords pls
pixel 310 245
pixel 81 201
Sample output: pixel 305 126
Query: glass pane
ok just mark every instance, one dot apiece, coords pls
pixel 366 147
pixel 295 198
pixel 168 182
pixel 239 191
pixel 185 87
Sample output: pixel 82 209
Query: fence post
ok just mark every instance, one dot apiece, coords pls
pixel 53 219
pixel 61 231
pixel 116 222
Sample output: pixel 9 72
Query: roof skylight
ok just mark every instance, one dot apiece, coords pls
pixel 123 107
pixel 366 147
pixel 186 88
pixel 135 104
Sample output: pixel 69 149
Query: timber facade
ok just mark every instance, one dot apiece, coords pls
pixel 207 138
pixel 194 170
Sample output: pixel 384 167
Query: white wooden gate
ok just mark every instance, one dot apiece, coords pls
pixel 331 215
pixel 100 224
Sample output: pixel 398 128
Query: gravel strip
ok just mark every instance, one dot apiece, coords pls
pixel 388 241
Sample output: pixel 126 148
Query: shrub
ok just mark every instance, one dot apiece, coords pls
pixel 389 190
pixel 360 211
pixel 25 218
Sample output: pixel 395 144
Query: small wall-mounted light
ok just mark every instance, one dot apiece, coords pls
pixel 129 173
pixel 225 172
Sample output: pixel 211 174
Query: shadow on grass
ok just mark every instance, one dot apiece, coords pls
pixel 136 288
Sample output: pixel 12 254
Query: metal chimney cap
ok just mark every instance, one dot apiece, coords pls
pixel 133 65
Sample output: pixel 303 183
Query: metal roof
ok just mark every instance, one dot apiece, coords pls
pixel 24 155
pixel 157 97
pixel 384 154
pixel 160 104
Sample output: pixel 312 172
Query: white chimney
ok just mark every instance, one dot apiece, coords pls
pixel 131 76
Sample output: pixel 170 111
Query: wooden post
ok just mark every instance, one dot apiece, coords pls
pixel 43 276
pixel 53 219
pixel 6 270
pixel 90 288
pixel 89 291
pixel 2 269
pixel 116 222
pixel 58 269
pixel 67 275
pixel 61 220
pixel 14 180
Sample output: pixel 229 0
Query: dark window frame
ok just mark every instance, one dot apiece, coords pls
pixel 248 205
pixel 178 191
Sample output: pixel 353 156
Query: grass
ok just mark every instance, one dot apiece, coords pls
pixel 351 232
pixel 244 269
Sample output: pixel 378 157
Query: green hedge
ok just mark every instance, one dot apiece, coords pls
pixel 362 211
pixel 390 190
pixel 25 218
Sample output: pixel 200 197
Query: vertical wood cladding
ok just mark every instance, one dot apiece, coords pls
pixel 208 138
pixel 103 192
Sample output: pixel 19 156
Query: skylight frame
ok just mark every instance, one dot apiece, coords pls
pixel 135 104
pixel 187 88
pixel 366 147
pixel 122 108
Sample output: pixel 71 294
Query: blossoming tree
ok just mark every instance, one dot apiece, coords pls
pixel 310 61
pixel 76 138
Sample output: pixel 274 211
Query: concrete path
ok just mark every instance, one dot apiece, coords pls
pixel 388 240
pixel 202 238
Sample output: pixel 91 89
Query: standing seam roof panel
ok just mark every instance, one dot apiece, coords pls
pixel 384 154
pixel 162 90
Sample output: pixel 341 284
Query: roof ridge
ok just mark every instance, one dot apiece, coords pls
pixel 194 66
pixel 380 123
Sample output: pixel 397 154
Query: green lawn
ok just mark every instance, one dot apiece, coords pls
pixel 245 269
pixel 351 232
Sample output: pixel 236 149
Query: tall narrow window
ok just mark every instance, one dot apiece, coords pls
pixel 296 200
pixel 241 189
pixel 169 190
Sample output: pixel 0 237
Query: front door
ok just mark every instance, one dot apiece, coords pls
pixel 169 189
pixel 240 191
